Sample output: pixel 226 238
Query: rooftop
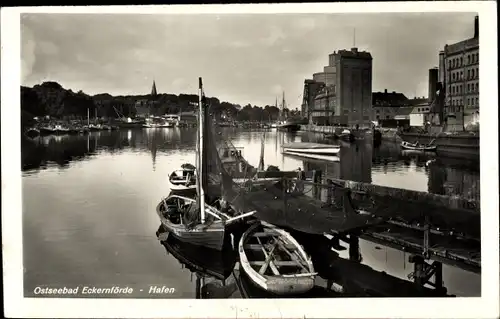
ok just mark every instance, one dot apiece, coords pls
pixel 389 99
pixel 354 53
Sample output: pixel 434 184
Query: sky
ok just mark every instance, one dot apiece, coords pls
pixel 243 58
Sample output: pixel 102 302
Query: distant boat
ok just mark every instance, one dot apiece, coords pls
pixel 418 147
pixel 275 261
pixel 289 126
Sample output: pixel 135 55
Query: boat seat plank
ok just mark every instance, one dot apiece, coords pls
pixel 269 259
pixel 259 247
pixel 265 234
pixel 294 257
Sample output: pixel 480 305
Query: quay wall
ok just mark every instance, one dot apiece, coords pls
pixel 449 202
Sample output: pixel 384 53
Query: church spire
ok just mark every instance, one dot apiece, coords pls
pixel 153 89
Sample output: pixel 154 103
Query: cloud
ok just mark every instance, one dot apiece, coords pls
pixel 28 56
pixel 243 58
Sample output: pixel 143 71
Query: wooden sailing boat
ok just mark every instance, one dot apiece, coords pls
pixel 192 219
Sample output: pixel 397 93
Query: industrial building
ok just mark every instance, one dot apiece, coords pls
pixel 459 74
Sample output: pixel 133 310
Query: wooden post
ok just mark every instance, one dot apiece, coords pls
pixel 354 253
pixel 427 228
pixel 438 276
pixel 285 194
pixel 316 180
pixel 329 193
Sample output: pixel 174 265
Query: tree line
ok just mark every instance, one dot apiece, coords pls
pixel 50 98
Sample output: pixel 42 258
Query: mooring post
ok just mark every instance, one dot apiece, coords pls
pixel 438 276
pixel 285 194
pixel 316 180
pixel 329 193
pixel 354 253
pixel 418 269
pixel 427 229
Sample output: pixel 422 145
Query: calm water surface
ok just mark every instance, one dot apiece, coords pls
pixel 89 204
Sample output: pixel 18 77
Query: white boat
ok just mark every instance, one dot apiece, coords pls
pixel 418 147
pixel 331 158
pixel 183 178
pixel 275 261
pixel 311 148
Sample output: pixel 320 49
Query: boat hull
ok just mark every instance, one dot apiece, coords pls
pixel 332 158
pixel 180 186
pixel 317 151
pixel 289 127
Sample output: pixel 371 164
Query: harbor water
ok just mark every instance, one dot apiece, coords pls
pixel 89 204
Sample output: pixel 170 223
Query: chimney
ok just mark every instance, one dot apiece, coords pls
pixel 433 80
pixel 476 27
pixel 385 91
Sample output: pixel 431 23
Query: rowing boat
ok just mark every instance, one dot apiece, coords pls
pixel 275 261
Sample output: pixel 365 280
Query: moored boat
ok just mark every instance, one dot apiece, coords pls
pixel 418 147
pixel 310 148
pixel 183 179
pixel 275 261
pixel 202 220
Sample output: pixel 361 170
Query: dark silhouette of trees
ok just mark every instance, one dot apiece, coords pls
pixel 50 98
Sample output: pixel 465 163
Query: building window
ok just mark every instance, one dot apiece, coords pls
pixel 468 87
pixel 449 64
pixel 477 101
pixel 477 87
pixel 461 75
pixel 453 63
pixel 468 74
pixel 472 101
pixel 477 57
pixel 468 59
pixel 378 117
pixel 472 58
pixel 468 101
pixel 453 76
pixel 477 72
pixel 387 117
pixel 472 73
pixel 460 89
pixel 461 61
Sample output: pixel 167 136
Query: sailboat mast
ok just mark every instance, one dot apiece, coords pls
pixel 201 194
pixel 88 116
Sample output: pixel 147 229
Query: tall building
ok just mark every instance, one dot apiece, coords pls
pixel 345 97
pixel 459 73
pixel 354 87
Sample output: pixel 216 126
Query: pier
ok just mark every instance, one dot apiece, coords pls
pixel 437 228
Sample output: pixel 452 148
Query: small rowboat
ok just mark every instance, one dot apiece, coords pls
pixel 418 147
pixel 275 261
pixel 183 178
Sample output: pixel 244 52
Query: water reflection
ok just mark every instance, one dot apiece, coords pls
pixel 340 273
pixel 91 199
